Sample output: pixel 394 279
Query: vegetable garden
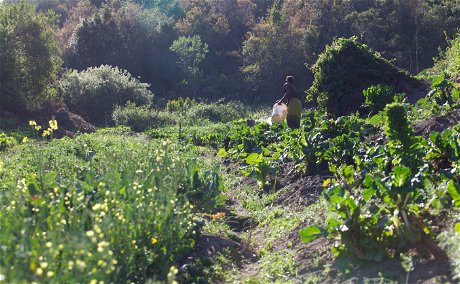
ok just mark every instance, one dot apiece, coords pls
pixel 237 200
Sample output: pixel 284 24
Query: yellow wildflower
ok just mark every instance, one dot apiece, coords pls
pixel 50 273
pixel 153 241
pixel 37 127
pixel 53 124
pixel 25 139
pixel 32 123
pixel 218 215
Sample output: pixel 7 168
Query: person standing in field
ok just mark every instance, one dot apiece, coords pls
pixel 292 100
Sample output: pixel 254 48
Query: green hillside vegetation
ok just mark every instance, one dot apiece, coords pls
pixel 136 144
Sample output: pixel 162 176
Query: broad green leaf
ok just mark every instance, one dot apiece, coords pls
pixel 368 193
pixel 310 233
pixel 50 178
pixel 349 171
pixel 222 153
pixel 122 191
pixel 437 81
pixel 368 181
pixel 401 175
pixel 457 228
pixel 377 119
pixel 246 171
pixel 454 192
pixel 253 159
pixel 455 94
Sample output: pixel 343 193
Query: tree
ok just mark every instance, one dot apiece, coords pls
pixel 278 46
pixel 130 37
pixel 191 52
pixel 29 57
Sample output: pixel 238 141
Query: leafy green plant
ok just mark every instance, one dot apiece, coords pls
pixel 6 141
pixel 383 200
pixel 377 97
pixel 203 189
pixel 403 144
pixel 444 92
pixel 260 168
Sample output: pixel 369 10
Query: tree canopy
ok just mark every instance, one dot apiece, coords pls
pixel 251 45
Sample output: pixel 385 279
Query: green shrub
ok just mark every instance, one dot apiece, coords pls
pixel 216 112
pixel 95 92
pixel 344 70
pixel 141 118
pixel 180 105
pixel 448 61
pixel 377 97
pixel 195 113
pixel 6 141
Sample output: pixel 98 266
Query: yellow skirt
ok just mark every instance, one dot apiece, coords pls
pixel 294 113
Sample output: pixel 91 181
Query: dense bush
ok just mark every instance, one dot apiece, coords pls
pixel 141 118
pixel 29 57
pixel 344 70
pixel 95 92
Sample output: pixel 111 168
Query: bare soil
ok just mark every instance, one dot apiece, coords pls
pixel 438 124
pixel 69 124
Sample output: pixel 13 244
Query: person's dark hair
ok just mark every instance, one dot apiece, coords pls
pixel 290 79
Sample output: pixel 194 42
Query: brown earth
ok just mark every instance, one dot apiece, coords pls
pixel 69 124
pixel 438 124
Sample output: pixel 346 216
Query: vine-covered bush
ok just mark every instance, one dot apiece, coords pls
pixel 141 118
pixel 344 70
pixel 95 92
